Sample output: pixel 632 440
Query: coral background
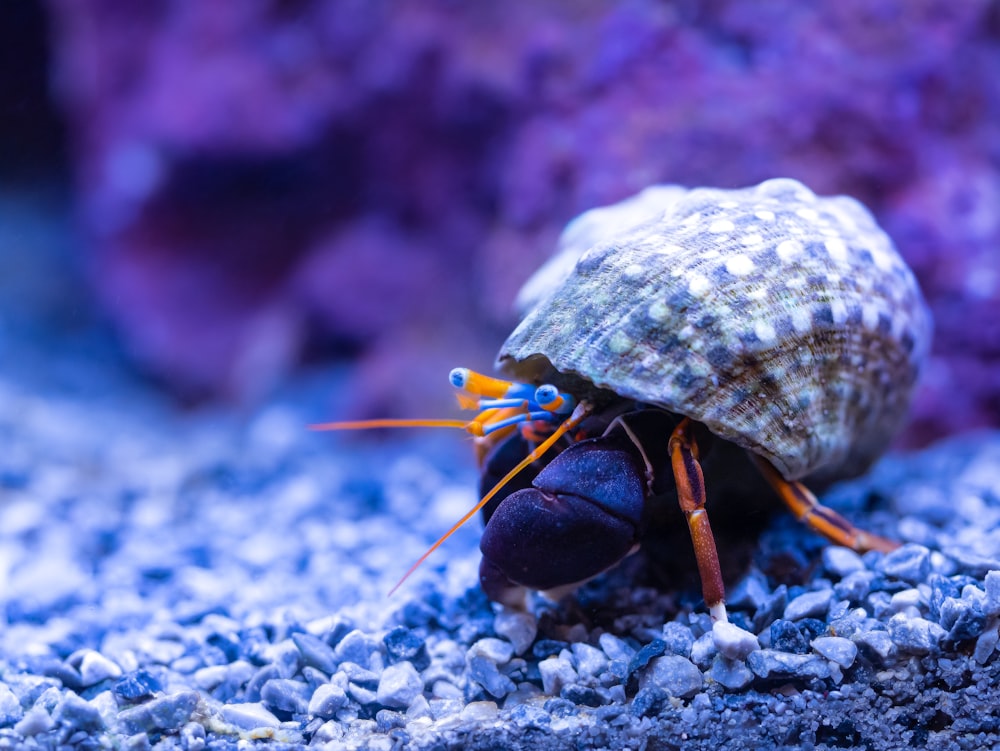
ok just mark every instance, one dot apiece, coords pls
pixel 263 184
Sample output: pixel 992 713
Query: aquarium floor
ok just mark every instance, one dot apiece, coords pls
pixel 216 579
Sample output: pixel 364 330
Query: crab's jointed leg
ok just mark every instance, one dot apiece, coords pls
pixel 821 519
pixel 691 495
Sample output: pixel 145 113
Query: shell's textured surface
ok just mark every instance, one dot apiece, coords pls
pixel 785 322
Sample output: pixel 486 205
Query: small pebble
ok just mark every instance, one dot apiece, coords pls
pixel 986 643
pixel 10 707
pixel 962 618
pixel 836 648
pixel 678 638
pixel 193 737
pixel 786 636
pixel 399 685
pixel 809 605
pixel 733 674
pixel 356 647
pixel 326 701
pixel 733 642
pixel 676 675
pixel 768 663
pixel 992 586
pixel 519 629
pixel 648 701
pixel 315 652
pixel 643 657
pixel 590 661
pixel 484 672
pixel 908 600
pixel 166 714
pixel 496 651
pixel 95 667
pixel 35 722
pixel 855 586
pixel 615 648
pixel 910 563
pixel 403 644
pixel 285 695
pixel 842 561
pixel 480 711
pixel 78 714
pixel 915 635
pixel 878 642
pixel 249 716
pixel 556 672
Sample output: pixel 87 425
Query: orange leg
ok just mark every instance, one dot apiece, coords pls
pixel 825 521
pixel 691 495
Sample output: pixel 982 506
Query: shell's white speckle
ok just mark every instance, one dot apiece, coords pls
pixel 721 225
pixel 754 238
pixel 764 331
pixel 692 219
pixel 728 205
pixel 788 249
pixel 837 249
pixel 838 311
pixel 807 213
pixel 633 270
pixel 620 343
pixel 658 311
pixel 795 282
pixel 881 258
pixel 740 265
pixel 758 293
pixel 801 320
pixel 698 284
pixel 764 215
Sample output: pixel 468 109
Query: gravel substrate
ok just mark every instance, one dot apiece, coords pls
pixel 215 582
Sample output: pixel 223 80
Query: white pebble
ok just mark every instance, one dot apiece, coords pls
pixel 809 605
pixel 556 672
pixel 249 716
pixel 399 685
pixel 732 641
pixel 836 648
pixel 95 667
pixel 496 651
pixel 519 629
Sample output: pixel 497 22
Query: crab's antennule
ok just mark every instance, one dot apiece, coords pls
pixel 389 423
pixel 581 411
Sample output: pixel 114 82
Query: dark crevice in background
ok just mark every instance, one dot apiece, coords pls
pixel 32 134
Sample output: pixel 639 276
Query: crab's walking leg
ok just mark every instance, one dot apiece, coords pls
pixel 691 495
pixel 821 519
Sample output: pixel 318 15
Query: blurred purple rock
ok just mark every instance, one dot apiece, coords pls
pixel 264 180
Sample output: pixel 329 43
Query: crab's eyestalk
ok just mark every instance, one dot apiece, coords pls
pixel 551 399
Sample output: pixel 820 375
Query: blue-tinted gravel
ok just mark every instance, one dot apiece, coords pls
pixel 217 581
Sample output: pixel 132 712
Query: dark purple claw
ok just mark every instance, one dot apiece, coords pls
pixel 583 516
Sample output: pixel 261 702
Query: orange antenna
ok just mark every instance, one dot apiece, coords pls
pixel 581 411
pixel 389 423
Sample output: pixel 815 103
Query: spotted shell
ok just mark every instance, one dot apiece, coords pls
pixel 787 323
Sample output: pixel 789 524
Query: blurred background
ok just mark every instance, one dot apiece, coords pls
pixel 232 192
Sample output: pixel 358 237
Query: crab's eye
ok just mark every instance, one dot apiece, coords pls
pixel 459 377
pixel 551 399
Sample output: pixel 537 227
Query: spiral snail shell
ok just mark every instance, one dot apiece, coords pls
pixel 785 322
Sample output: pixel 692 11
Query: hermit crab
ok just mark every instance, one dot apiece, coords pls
pixel 767 319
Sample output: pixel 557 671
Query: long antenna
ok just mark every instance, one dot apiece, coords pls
pixel 581 411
